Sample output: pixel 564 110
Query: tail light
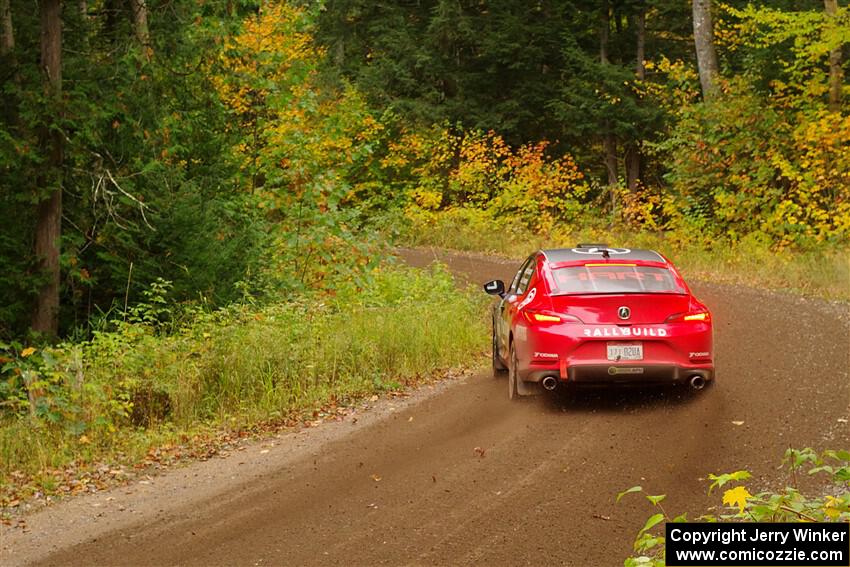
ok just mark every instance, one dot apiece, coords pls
pixel 693 316
pixel 537 317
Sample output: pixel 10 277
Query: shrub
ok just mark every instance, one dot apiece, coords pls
pixel 741 166
pixel 145 379
pixel 445 170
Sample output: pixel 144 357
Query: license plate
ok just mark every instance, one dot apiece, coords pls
pixel 620 351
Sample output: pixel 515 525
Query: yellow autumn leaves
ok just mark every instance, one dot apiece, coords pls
pixel 295 131
pixel 257 62
pixel 480 170
pixel 737 496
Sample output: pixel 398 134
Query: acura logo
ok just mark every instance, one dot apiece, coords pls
pixel 624 312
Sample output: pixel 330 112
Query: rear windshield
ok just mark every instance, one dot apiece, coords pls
pixel 614 279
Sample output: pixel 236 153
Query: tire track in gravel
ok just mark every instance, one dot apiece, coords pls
pixel 543 491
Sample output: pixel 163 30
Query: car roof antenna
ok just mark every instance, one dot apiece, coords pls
pixel 605 254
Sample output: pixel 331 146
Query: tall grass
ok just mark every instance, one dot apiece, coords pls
pixel 246 365
pixel 824 273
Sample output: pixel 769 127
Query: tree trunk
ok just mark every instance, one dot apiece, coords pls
pixel 86 29
pixel 139 8
pixel 704 43
pixel 112 10
pixel 8 59
pixel 836 72
pixel 609 142
pixel 9 64
pixel 7 32
pixel 48 230
pixel 640 45
pixel 339 52
pixel 633 161
pixel 633 157
pixel 604 31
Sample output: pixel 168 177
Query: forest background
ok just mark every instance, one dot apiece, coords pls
pixel 196 194
pixel 240 147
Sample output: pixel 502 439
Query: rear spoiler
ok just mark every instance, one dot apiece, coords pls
pixel 592 245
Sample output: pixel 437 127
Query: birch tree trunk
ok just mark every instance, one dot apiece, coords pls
pixel 704 44
pixel 139 8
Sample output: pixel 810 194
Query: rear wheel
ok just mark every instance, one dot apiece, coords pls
pixel 513 374
pixel 498 366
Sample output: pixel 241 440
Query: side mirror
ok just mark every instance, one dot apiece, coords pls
pixel 495 287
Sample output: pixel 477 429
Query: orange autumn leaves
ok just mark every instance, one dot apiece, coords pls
pixel 298 137
pixel 478 169
pixel 272 53
pixel 738 168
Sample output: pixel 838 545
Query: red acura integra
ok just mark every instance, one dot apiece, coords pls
pixel 595 315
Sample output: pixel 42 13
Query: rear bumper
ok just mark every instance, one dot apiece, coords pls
pixel 644 374
pixel 603 374
pixel 577 353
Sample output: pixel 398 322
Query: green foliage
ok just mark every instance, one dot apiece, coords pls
pixel 603 98
pixel 763 162
pixel 741 167
pixel 782 51
pixel 515 67
pixel 439 170
pixel 719 480
pixel 830 501
pixel 145 176
pixel 245 149
pixel 214 161
pixel 241 364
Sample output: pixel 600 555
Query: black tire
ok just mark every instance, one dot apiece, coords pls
pixel 513 374
pixel 499 367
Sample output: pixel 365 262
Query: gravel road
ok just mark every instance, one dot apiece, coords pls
pixel 458 475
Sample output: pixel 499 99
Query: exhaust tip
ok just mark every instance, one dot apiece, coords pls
pixel 697 382
pixel 550 383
